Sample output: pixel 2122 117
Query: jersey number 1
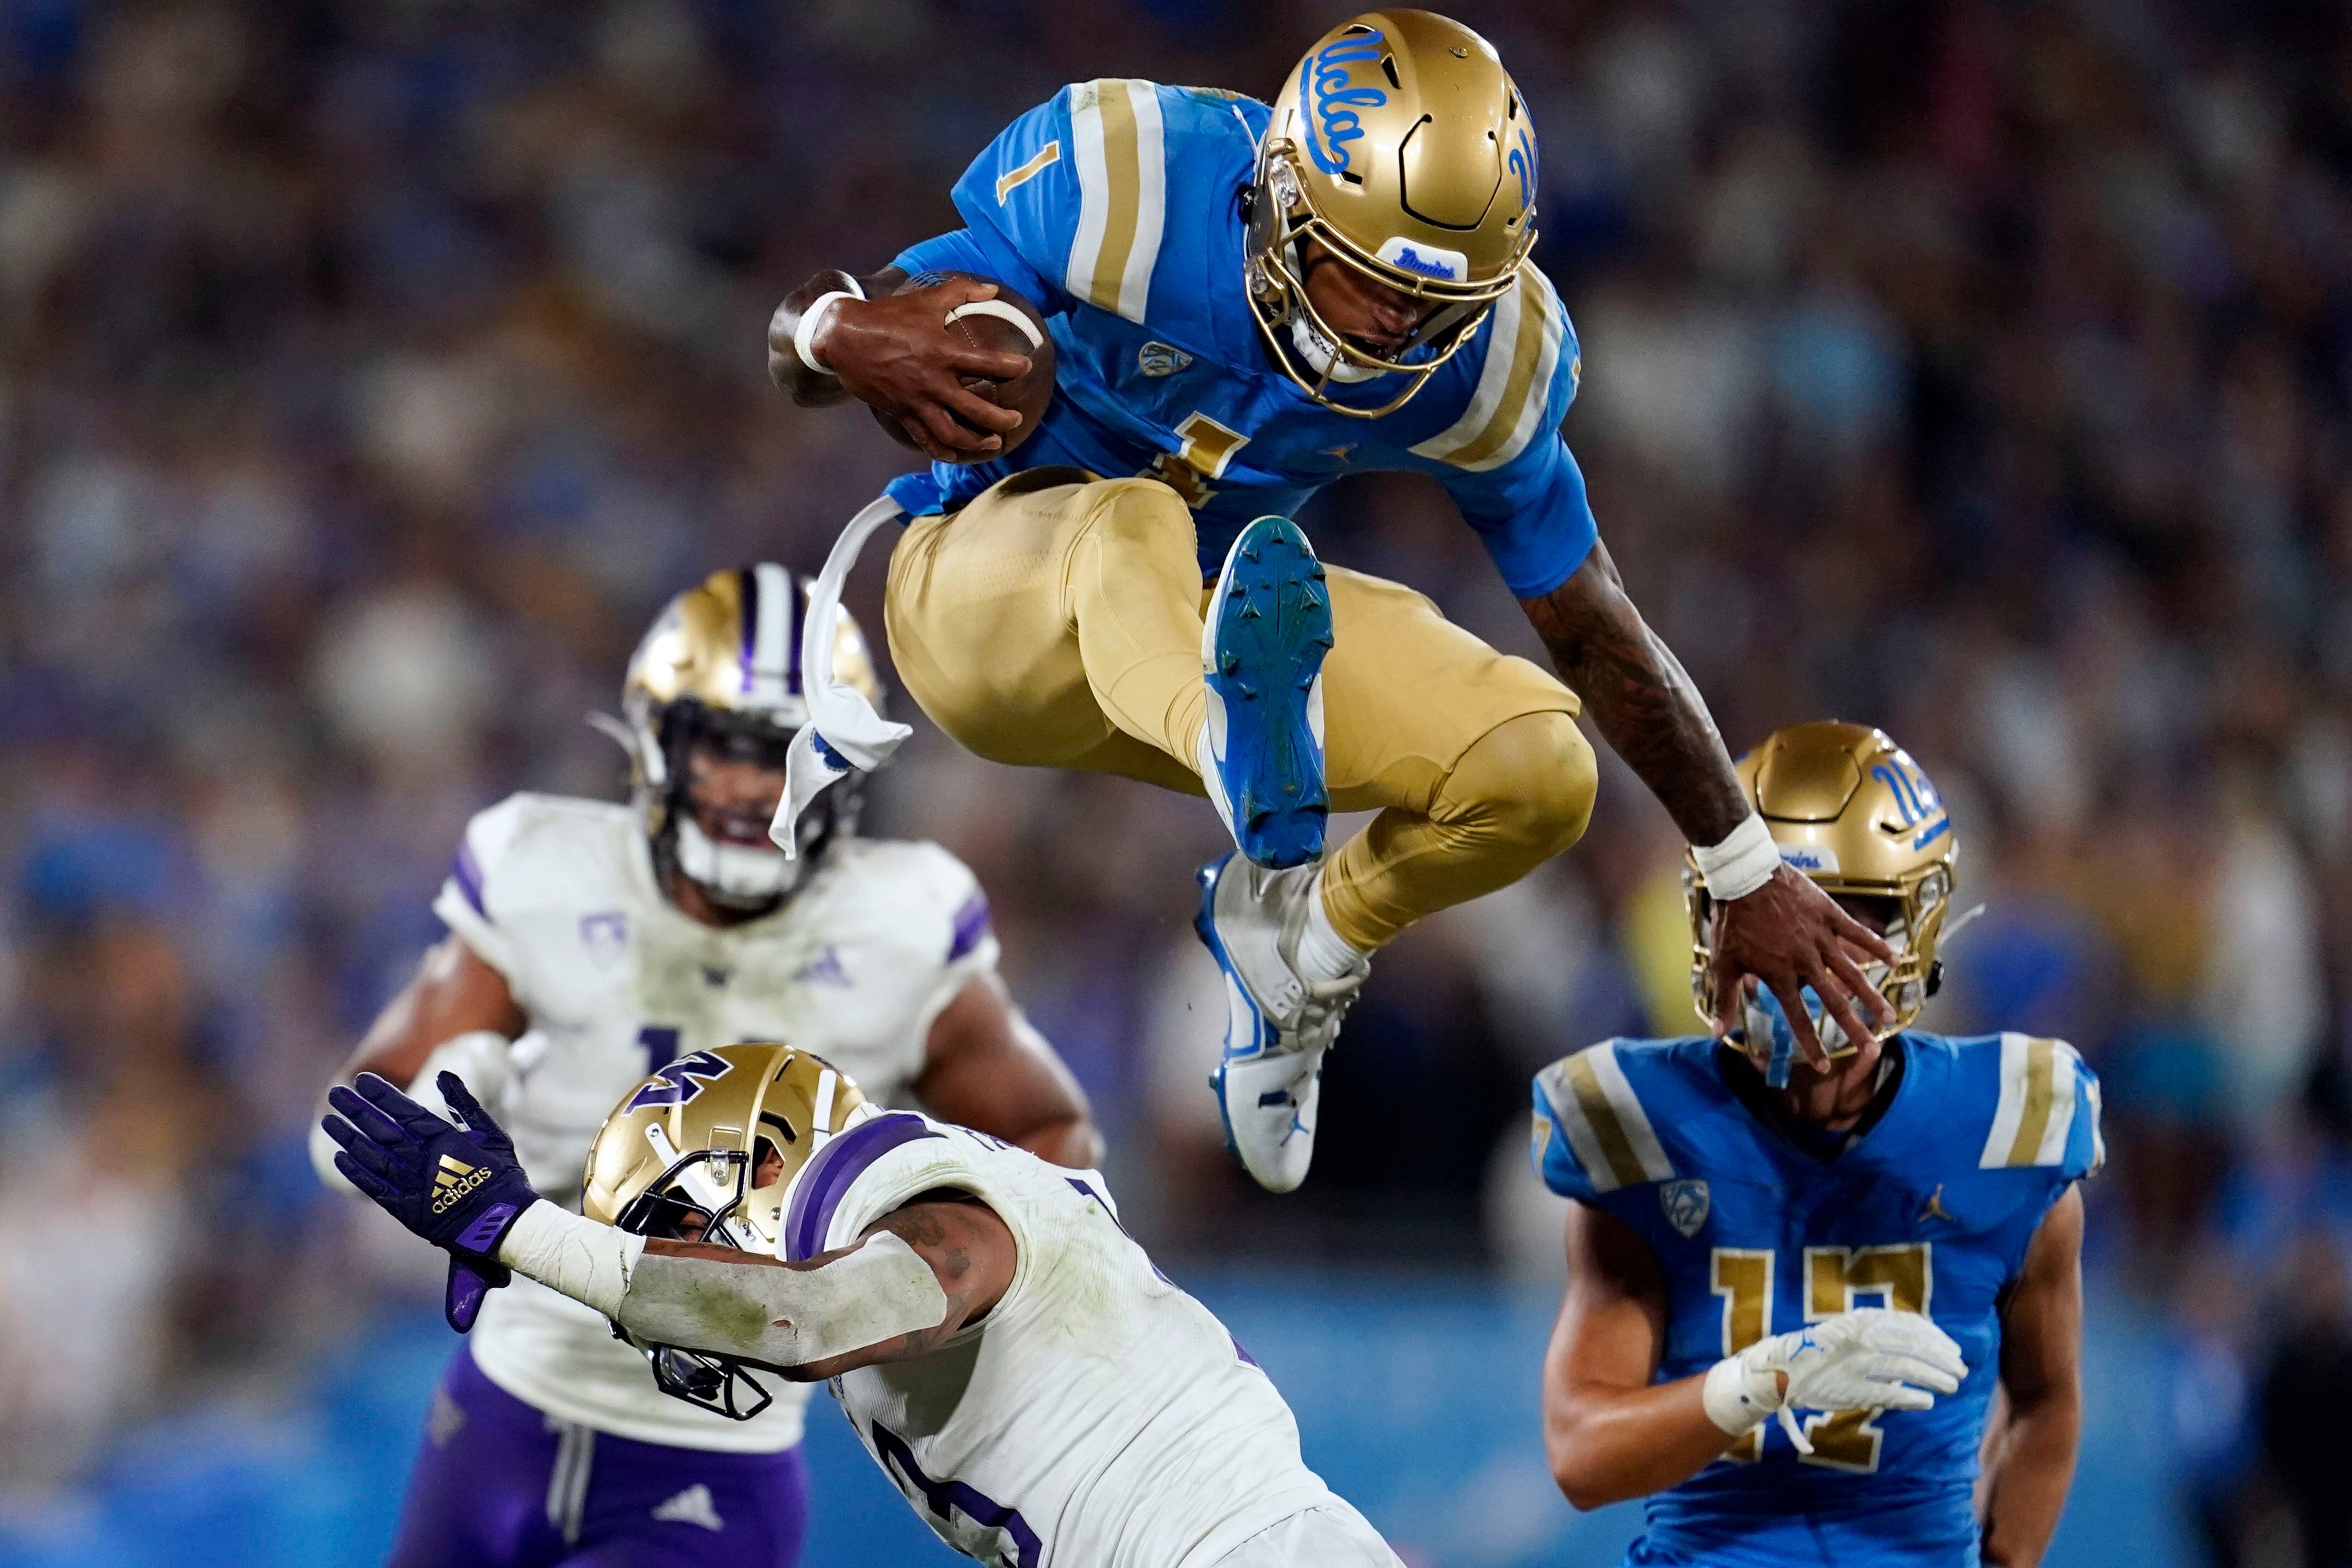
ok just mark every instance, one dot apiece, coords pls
pixel 1903 1276
pixel 1208 448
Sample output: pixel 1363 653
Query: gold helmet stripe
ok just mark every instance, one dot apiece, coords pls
pixel 2036 1112
pixel 1514 386
pixel 1122 167
pixel 1604 1120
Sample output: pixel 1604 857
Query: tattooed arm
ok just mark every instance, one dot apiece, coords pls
pixel 1787 933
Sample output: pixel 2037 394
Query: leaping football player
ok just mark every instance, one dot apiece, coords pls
pixel 1038 1391
pixel 1880 1243
pixel 1247 301
pixel 592 942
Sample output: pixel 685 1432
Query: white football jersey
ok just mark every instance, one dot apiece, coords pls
pixel 559 896
pixel 1097 1415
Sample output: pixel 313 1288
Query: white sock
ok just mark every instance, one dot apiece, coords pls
pixel 1323 954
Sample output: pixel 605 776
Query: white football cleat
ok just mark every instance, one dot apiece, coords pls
pixel 1278 1022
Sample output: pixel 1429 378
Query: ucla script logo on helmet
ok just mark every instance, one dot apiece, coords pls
pixel 681 1081
pixel 1523 165
pixel 1916 802
pixel 1327 100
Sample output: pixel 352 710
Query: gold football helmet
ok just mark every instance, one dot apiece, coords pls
pixel 721 667
pixel 1401 145
pixel 705 1150
pixel 1849 809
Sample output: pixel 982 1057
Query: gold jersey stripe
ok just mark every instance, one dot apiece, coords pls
pixel 2035 1114
pixel 1122 161
pixel 2033 1119
pixel 1590 1098
pixel 1013 179
pixel 1507 407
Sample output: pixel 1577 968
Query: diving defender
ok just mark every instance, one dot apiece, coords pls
pixel 591 943
pixel 1732 1203
pixel 1248 301
pixel 1038 1391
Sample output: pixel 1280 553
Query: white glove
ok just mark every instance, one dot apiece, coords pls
pixel 479 1060
pixel 1867 1359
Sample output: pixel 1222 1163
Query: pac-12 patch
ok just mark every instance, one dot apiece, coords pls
pixel 1158 359
pixel 1685 1204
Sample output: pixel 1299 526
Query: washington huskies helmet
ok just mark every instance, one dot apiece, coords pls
pixel 1849 809
pixel 1401 146
pixel 721 667
pixel 706 1150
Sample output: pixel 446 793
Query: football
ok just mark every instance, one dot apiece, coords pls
pixel 1007 323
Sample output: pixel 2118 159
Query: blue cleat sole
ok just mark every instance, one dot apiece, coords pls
pixel 1270 629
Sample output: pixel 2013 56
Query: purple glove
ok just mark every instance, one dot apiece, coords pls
pixel 460 1188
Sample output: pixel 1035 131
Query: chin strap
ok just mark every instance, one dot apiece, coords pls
pixel 844 732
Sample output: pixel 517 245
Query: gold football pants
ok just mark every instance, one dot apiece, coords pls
pixel 1055 622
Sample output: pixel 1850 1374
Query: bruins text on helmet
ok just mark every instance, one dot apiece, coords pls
pixel 1849 809
pixel 718 677
pixel 704 1151
pixel 1402 148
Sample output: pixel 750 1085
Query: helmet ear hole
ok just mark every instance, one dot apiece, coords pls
pixel 1935 977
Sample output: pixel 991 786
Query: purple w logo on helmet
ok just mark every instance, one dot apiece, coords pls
pixel 681 1081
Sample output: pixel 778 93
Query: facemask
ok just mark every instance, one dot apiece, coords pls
pixel 1320 354
pixel 739 875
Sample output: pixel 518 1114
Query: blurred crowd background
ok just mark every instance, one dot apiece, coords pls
pixel 369 372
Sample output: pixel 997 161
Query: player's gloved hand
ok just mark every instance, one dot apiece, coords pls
pixel 460 1188
pixel 1866 1359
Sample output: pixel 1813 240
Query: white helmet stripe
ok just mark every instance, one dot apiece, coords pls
pixel 768 677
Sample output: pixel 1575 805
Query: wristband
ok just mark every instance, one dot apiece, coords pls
pixel 805 335
pixel 1744 861
pixel 1736 1400
pixel 572 1254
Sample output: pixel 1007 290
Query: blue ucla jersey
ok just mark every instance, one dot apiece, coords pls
pixel 1930 1210
pixel 1117 207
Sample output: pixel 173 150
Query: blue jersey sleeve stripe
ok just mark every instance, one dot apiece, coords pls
pixel 1119 149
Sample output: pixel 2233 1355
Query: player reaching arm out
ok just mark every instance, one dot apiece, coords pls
pixel 916 1277
pixel 1000 1344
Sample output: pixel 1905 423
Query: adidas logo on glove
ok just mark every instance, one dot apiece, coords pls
pixel 454 1180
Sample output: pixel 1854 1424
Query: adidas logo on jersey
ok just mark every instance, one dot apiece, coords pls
pixel 454 1180
pixel 824 969
pixel 692 1506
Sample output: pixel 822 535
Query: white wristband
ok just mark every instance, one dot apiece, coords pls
pixel 805 335
pixel 585 1259
pixel 1743 862
pixel 1737 1400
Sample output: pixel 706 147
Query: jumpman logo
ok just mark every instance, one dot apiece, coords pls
pixel 1934 1209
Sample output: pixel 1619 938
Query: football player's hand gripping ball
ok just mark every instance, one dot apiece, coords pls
pixel 1867 1359
pixel 461 1188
